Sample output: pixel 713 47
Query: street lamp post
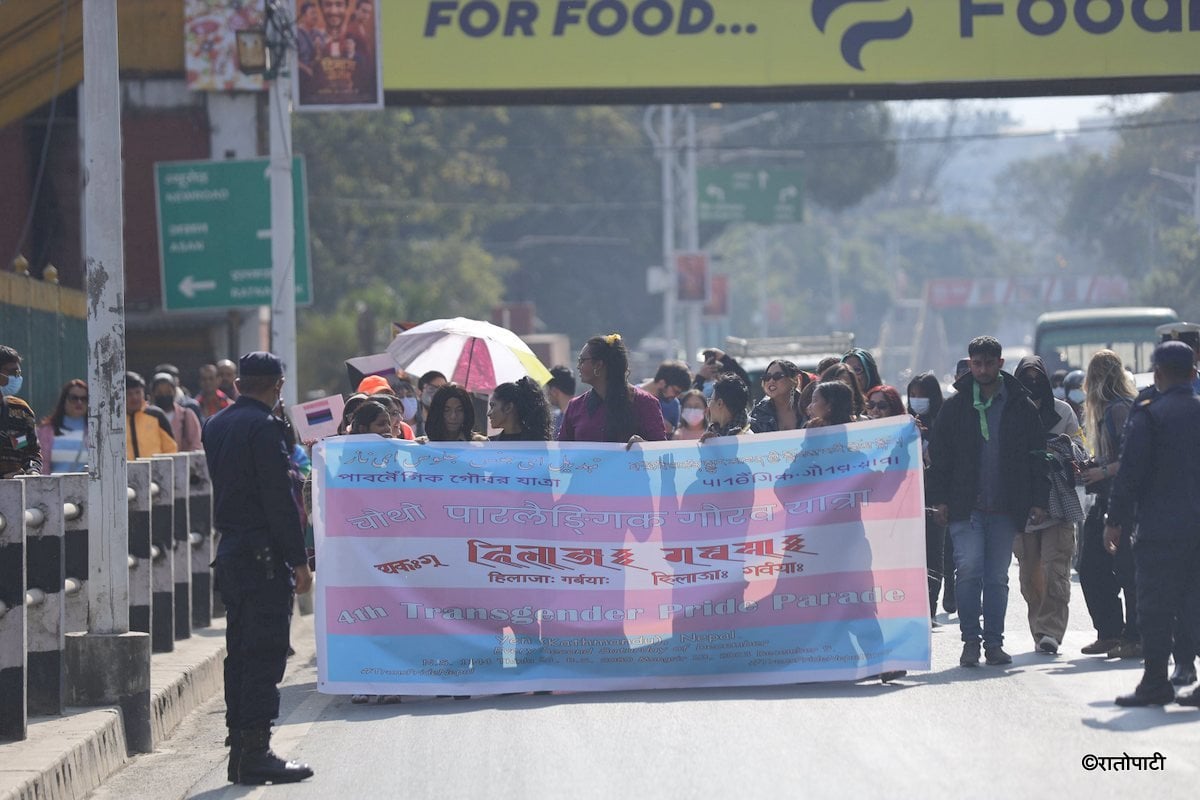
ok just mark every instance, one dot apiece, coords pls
pixel 263 51
pixel 283 234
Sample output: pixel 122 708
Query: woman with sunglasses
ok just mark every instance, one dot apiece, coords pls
pixel 883 401
pixel 61 434
pixel 781 408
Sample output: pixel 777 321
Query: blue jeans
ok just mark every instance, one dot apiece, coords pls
pixel 983 548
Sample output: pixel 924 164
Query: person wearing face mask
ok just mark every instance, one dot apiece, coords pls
pixel 20 453
pixel 1073 392
pixel 409 403
pixel 185 425
pixel 147 430
pixel 1044 550
pixel 692 408
pixel 924 402
pixel 261 564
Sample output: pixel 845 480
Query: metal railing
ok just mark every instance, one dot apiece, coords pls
pixel 44 571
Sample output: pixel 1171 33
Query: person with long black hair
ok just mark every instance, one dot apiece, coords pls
pixel 727 411
pixel 451 416
pixel 832 404
pixel 924 402
pixel 613 410
pixel 520 412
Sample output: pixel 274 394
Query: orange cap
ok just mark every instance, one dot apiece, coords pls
pixel 374 384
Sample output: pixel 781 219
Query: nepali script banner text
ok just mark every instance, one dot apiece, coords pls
pixel 478 568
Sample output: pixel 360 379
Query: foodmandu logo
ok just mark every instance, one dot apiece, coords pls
pixel 860 34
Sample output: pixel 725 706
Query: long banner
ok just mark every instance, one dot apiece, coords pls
pixel 915 47
pixel 486 568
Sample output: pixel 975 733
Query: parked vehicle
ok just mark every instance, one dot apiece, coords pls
pixel 1067 339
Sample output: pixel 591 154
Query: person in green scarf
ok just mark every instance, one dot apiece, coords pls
pixel 988 479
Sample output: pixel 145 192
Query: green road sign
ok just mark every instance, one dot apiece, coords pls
pixel 766 196
pixel 214 233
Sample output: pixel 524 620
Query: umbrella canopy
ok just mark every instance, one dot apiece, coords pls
pixel 478 356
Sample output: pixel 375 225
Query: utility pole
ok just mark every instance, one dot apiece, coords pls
pixel 691 228
pixel 283 234
pixel 108 664
pixel 103 225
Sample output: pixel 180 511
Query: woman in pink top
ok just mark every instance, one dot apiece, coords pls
pixel 614 410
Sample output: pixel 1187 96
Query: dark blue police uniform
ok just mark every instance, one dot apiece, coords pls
pixel 261 540
pixel 1158 488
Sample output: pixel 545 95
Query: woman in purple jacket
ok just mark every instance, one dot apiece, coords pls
pixel 614 410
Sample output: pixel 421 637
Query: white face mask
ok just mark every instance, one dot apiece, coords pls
pixel 692 416
pixel 409 404
pixel 919 405
pixel 1076 396
pixel 1060 393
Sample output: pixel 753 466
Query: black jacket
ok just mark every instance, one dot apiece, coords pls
pixel 253 506
pixel 956 443
pixel 1159 482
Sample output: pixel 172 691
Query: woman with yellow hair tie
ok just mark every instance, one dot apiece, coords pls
pixel 614 410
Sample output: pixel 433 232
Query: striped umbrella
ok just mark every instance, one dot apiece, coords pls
pixel 476 355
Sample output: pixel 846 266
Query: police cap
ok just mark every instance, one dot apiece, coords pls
pixel 260 364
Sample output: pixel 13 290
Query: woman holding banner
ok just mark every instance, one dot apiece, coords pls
pixel 614 410
pixel 520 412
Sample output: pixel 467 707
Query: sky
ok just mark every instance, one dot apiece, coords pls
pixel 1048 113
pixel 1064 113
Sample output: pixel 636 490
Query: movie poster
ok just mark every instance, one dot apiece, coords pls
pixel 337 55
pixel 210 52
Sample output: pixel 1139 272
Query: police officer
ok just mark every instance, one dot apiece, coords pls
pixel 1184 651
pixel 1158 488
pixel 260 562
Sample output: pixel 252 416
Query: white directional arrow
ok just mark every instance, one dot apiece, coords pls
pixel 788 193
pixel 715 192
pixel 189 286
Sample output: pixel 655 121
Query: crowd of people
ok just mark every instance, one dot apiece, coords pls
pixel 1006 455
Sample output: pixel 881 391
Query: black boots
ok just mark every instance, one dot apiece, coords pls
pixel 1154 688
pixel 234 742
pixel 255 764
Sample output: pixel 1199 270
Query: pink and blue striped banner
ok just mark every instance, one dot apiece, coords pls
pixel 473 568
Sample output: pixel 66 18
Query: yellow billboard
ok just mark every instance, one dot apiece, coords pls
pixel 474 46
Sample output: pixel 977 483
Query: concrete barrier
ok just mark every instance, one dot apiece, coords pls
pixel 200 534
pixel 45 571
pixel 14 707
pixel 45 662
pixel 181 557
pixel 162 554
